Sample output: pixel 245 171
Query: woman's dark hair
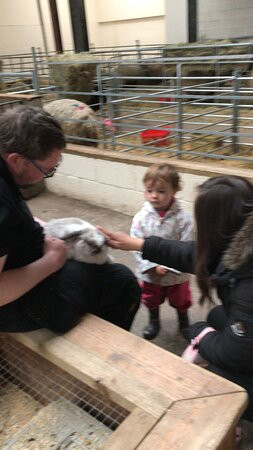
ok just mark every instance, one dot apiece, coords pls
pixel 221 207
pixel 30 131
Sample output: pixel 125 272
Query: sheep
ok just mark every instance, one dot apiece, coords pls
pixel 77 120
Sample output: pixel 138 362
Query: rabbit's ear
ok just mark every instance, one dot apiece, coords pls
pixel 71 236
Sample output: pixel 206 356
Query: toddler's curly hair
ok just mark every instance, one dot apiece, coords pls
pixel 166 173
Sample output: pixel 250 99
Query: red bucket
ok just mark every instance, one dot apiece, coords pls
pixel 162 137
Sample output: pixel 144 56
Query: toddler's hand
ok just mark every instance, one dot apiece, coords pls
pixel 160 271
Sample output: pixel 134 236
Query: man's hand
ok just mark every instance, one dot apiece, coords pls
pixel 121 241
pixel 16 282
pixel 56 251
pixel 40 221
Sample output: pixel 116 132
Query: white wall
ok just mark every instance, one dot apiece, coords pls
pixel 20 26
pixel 147 31
pixel 118 22
pixel 225 18
pixel 113 185
pixel 122 23
pixel 65 24
pixel 176 23
pixel 110 23
pixel 111 10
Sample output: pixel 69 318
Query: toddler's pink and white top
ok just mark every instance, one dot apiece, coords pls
pixel 176 224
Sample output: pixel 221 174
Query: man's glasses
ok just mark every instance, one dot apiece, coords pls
pixel 48 174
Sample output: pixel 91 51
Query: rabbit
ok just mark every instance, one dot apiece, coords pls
pixel 84 242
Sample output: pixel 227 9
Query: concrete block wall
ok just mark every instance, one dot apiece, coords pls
pixel 222 19
pixel 112 184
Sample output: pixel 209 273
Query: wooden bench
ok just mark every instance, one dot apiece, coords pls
pixel 172 404
pixel 31 99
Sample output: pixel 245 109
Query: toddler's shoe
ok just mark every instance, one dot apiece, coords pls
pixel 153 328
pixel 183 323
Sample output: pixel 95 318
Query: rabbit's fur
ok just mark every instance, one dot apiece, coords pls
pixel 84 242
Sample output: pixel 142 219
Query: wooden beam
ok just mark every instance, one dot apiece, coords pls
pixel 131 432
pixel 204 423
pixel 207 169
pixel 147 363
pixel 116 384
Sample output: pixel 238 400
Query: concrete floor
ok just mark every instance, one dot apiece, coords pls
pixel 48 205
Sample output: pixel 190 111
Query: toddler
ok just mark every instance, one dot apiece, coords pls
pixel 162 215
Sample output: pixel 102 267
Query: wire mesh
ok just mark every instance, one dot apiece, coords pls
pixel 38 398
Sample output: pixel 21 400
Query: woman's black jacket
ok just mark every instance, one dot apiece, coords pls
pixel 232 348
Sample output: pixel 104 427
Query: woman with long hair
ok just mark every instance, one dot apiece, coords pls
pixel 222 259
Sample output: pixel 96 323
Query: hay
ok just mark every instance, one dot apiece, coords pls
pixel 73 72
pixel 198 52
pixel 58 424
pixel 16 408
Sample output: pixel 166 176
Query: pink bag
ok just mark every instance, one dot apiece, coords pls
pixel 191 353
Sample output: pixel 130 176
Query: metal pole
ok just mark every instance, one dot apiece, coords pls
pixel 192 21
pixel 110 106
pixel 35 78
pixel 42 27
pixel 137 43
pixel 101 103
pixel 179 111
pixel 79 25
pixel 236 83
pixel 56 26
pixel 111 115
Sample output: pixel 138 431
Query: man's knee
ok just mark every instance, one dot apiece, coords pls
pixel 121 274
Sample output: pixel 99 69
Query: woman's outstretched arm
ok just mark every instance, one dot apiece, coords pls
pixel 177 254
pixel 122 241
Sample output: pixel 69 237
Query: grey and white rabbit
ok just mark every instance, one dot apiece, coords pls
pixel 84 242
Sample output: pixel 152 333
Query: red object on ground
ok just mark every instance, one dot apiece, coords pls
pixel 162 137
pixel 165 99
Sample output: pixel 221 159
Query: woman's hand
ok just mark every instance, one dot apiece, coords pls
pixel 121 241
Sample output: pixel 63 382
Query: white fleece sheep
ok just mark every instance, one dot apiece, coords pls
pixel 76 118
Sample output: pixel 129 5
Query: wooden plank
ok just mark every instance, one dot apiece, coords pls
pixel 119 386
pixel 13 96
pixel 145 379
pixel 33 339
pixel 198 424
pixel 229 443
pixel 146 362
pixel 131 432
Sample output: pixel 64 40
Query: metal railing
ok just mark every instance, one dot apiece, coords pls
pixel 26 61
pixel 195 117
pixel 28 81
pixel 205 120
